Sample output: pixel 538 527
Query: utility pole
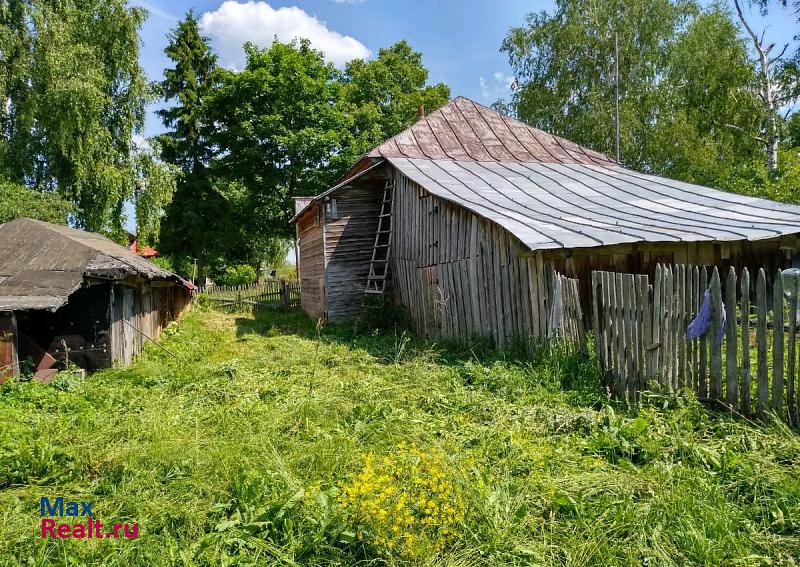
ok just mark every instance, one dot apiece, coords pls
pixel 616 89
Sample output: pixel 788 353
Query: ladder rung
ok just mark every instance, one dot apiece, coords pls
pixel 375 291
pixel 385 215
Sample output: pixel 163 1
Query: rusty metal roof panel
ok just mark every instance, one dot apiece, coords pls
pixel 465 130
pixel 41 264
pixel 575 205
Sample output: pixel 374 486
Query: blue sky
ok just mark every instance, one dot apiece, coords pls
pixel 459 39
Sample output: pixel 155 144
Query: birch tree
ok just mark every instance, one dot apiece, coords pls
pixel 775 90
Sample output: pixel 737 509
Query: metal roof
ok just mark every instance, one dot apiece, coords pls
pixel 574 205
pixel 467 131
pixel 41 264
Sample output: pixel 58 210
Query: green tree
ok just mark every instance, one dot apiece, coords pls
pixel 384 94
pixel 280 131
pixel 197 218
pixel 19 201
pixel 72 93
pixel 687 97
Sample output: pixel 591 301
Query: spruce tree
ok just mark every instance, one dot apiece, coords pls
pixel 194 223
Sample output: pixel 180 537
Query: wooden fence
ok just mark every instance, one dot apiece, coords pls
pixel 274 294
pixel 746 360
pixel 565 320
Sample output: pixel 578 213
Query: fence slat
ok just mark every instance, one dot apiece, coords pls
pixel 761 340
pixel 731 366
pixel 656 347
pixel 643 325
pixel 618 322
pixel 669 359
pixel 702 390
pixel 745 382
pixel 713 333
pixel 791 368
pixel 777 344
pixel 680 326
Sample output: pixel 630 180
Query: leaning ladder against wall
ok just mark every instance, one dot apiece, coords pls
pixel 379 264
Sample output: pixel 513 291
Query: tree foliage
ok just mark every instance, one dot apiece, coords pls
pixel 72 93
pixel 384 94
pixel 19 201
pixel 687 103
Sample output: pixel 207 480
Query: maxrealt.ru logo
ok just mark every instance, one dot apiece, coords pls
pixel 92 528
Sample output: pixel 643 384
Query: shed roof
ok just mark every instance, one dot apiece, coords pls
pixel 550 206
pixel 41 264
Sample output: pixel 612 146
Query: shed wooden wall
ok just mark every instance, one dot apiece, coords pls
pixel 349 240
pixel 140 311
pixel 311 261
pixel 9 363
pixel 461 276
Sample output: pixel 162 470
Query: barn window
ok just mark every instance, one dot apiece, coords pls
pixel 330 209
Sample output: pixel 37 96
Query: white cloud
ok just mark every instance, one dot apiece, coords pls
pixel 234 23
pixel 497 87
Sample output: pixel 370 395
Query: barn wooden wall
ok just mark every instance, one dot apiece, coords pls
pixel 349 240
pixel 311 262
pixel 461 276
pixel 641 258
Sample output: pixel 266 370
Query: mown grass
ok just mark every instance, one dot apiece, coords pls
pixel 241 453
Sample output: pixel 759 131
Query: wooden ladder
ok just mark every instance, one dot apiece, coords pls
pixel 379 265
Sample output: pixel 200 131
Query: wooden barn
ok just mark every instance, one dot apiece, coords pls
pixel 462 217
pixel 67 294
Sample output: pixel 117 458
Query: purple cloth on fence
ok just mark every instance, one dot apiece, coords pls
pixel 700 325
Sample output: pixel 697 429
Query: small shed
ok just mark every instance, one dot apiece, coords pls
pixel 462 217
pixel 71 295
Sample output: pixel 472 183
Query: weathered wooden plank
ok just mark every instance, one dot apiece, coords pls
pixel 598 340
pixel 731 352
pixel 791 357
pixel 691 297
pixel 777 344
pixel 702 390
pixel 745 379
pixel 761 341
pixel 643 326
pixel 655 369
pixel 608 341
pixel 669 334
pixel 542 294
pixel 619 298
pixel 533 292
pixel 713 333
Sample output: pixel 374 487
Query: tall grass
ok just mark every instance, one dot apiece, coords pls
pixel 240 451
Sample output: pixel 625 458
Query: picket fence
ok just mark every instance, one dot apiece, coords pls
pixel 274 294
pixel 641 339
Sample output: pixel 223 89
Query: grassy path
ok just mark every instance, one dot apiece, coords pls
pixel 274 442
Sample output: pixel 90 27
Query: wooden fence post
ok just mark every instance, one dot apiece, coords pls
pixel 644 320
pixel 745 383
pixel 761 340
pixel 731 339
pixel 284 294
pixel 777 343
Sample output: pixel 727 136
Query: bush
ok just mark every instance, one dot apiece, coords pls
pixel 241 274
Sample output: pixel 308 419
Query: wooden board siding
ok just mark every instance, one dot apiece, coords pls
pixel 9 363
pixel 140 312
pixel 349 240
pixel 461 276
pixel 311 262
pixel 642 258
